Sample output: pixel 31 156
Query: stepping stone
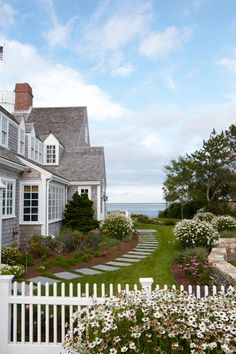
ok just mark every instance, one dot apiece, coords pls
pixel 19 289
pixel 132 256
pixel 105 267
pixel 67 275
pixel 139 253
pixel 128 260
pixel 88 271
pixel 140 248
pixel 147 247
pixel 143 250
pixel 120 264
pixel 43 280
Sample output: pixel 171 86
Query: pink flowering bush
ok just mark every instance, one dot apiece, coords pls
pixel 164 322
pixel 117 225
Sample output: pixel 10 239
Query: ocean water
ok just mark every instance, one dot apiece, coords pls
pixel 149 209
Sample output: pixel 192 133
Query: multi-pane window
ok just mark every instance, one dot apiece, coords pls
pixel 51 154
pixel 56 202
pixel 4 130
pixel 36 152
pixel 84 191
pixel 8 199
pixel 22 141
pixel 32 148
pixel 31 203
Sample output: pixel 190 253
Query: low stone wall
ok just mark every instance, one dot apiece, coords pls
pixel 224 272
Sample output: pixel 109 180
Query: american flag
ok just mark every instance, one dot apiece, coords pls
pixel 1 52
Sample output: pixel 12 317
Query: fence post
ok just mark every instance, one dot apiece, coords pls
pixel 5 292
pixel 146 284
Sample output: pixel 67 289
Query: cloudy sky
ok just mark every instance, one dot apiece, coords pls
pixel 156 76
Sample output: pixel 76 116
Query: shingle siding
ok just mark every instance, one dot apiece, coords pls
pixel 10 227
pixel 55 228
pixel 28 231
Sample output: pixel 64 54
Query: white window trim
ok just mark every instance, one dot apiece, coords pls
pixel 5 145
pixel 64 191
pixel 40 215
pixel 36 142
pixel 85 187
pixel 13 181
pixel 51 140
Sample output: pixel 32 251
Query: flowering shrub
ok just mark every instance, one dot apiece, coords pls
pixel 118 225
pixel 17 270
pixel 224 222
pixel 204 216
pixel 193 261
pixel 42 245
pixel 192 233
pixel 11 254
pixel 165 322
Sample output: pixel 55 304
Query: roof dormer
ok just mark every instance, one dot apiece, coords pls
pixel 21 138
pixel 52 148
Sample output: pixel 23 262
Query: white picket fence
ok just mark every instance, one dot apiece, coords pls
pixel 34 321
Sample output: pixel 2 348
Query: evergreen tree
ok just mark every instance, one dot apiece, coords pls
pixel 79 214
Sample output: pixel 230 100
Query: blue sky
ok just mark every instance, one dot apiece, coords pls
pixel 156 75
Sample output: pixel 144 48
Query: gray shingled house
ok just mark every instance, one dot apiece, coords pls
pixel 45 157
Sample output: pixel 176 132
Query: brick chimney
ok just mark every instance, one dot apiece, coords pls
pixel 23 97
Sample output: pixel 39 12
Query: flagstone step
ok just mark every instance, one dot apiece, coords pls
pixel 67 275
pixel 119 264
pixel 88 271
pixel 139 253
pixel 130 259
pixel 134 256
pixel 105 267
pixel 43 280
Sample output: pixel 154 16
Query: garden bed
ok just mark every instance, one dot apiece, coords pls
pixel 114 252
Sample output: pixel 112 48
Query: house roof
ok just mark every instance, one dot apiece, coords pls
pixel 82 164
pixel 63 122
pixel 8 114
pixel 9 155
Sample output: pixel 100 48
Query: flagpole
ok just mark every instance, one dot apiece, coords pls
pixel 4 68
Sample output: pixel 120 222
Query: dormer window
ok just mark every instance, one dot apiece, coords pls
pixel 32 155
pixel 35 148
pixel 51 154
pixel 22 142
pixel 52 148
pixel 21 138
pixel 4 130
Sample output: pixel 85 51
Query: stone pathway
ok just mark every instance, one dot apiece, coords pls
pixel 146 246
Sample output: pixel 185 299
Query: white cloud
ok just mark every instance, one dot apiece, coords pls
pixel 159 44
pixel 119 30
pixel 229 62
pixel 57 85
pixel 7 15
pixel 59 35
pixel 123 70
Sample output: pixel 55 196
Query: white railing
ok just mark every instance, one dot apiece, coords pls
pixel 33 319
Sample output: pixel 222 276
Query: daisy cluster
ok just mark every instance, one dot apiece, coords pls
pixel 224 222
pixel 118 225
pixel 202 215
pixel 165 321
pixel 193 233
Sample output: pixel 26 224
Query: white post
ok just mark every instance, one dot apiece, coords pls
pixel 2 186
pixel 146 284
pixel 5 292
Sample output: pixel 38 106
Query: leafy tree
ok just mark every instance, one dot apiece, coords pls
pixel 79 214
pixel 207 175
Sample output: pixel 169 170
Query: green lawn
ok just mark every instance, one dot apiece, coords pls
pixel 157 265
